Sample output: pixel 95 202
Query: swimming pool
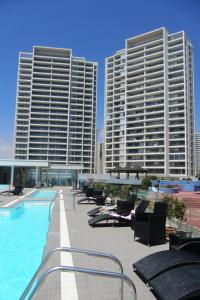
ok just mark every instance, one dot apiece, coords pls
pixel 4 187
pixel 23 233
pixel 43 194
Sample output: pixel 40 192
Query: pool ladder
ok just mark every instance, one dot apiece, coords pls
pixel 29 294
pixel 52 202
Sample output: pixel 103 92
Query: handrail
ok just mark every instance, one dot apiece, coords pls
pixel 43 277
pixel 68 249
pixel 52 201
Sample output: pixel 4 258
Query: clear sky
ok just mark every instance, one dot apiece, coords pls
pixel 92 29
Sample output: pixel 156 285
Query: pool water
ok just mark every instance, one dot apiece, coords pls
pixel 23 233
pixel 43 194
pixel 4 187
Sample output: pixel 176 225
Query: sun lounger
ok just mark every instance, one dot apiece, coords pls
pixel 100 200
pixel 172 274
pixel 104 216
pixel 124 209
pixel 100 210
pixel 154 264
pixel 180 283
pixel 104 209
pixel 16 191
pixel 116 220
pixel 93 196
pixel 81 191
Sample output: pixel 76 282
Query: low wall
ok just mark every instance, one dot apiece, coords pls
pixel 183 185
pixel 107 179
pixel 164 190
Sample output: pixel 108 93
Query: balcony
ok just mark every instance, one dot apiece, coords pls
pixel 153 144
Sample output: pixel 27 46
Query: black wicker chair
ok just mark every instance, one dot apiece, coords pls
pixel 142 206
pixel 150 227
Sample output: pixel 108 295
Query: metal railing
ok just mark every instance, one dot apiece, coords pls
pixel 44 276
pixel 52 202
pixel 75 250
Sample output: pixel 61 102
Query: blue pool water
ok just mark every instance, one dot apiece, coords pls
pixel 23 233
pixel 43 194
pixel 3 186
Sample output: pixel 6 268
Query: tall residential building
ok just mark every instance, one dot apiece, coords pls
pixel 197 153
pixel 149 104
pixel 99 169
pixel 56 108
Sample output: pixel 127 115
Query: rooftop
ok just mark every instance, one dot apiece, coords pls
pixel 69 228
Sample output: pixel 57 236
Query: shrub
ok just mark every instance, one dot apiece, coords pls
pixel 99 186
pixel 171 186
pixel 146 183
pixel 121 191
pixel 90 182
pixel 176 207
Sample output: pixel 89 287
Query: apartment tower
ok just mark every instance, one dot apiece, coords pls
pixel 99 166
pixel 197 153
pixel 56 108
pixel 149 104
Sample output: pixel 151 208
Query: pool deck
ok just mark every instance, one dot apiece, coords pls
pixel 70 228
pixel 117 241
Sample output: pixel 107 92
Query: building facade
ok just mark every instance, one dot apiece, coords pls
pixel 99 152
pixel 197 153
pixel 56 108
pixel 100 158
pixel 149 104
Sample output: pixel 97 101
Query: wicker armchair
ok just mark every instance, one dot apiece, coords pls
pixel 150 227
pixel 139 209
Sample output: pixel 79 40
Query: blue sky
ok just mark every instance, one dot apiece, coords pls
pixel 93 29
